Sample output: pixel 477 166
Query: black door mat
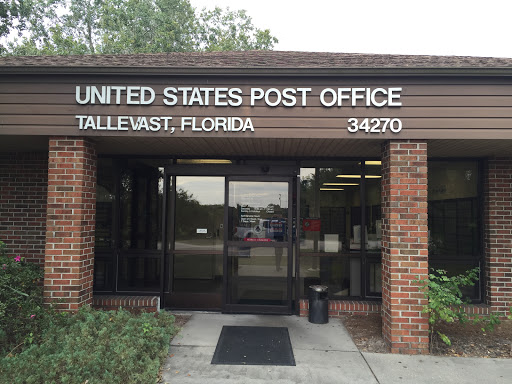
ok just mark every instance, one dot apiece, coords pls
pixel 254 346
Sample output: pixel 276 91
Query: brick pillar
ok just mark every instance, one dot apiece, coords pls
pixel 498 235
pixel 404 245
pixel 70 220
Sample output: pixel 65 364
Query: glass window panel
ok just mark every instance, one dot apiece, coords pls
pixel 341 273
pixel 373 241
pixel 258 275
pixel 330 231
pixel 454 209
pixel 454 220
pixel 331 209
pixel 199 213
pixel 103 274
pixel 139 273
pixel 105 199
pixel 373 209
pixel 375 277
pixel 198 273
pixel 141 205
pixel 453 268
pixel 258 211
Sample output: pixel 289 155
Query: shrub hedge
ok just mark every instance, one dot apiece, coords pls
pixel 95 347
pixel 39 345
pixel 22 315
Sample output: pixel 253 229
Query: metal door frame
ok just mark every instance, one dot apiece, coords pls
pixel 230 172
pixel 229 307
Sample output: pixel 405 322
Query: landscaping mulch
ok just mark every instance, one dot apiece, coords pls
pixel 366 332
pixel 467 340
pixel 181 320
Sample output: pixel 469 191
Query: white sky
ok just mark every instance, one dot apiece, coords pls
pixel 429 27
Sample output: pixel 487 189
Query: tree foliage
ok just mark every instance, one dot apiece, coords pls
pixel 13 16
pixel 54 27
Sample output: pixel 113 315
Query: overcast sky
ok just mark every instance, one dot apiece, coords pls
pixel 433 27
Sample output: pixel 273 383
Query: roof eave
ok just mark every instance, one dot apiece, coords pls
pixel 257 71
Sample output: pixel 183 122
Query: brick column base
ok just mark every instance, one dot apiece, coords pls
pixel 133 304
pixel 340 308
pixel 70 221
pixel 404 245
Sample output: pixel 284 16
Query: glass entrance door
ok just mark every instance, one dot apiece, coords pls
pixel 196 243
pixel 259 245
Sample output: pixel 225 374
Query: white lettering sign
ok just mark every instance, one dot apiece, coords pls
pixel 225 97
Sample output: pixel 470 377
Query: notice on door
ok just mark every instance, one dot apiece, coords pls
pixel 311 225
pixel 201 230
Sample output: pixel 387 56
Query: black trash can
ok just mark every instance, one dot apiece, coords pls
pixel 318 304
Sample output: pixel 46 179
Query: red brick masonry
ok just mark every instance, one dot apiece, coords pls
pixel 498 235
pixel 133 304
pixel 70 222
pixel 404 245
pixel 338 308
pixel 23 189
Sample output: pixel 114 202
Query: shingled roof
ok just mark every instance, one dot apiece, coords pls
pixel 261 60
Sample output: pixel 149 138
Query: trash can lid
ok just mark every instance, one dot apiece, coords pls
pixel 319 288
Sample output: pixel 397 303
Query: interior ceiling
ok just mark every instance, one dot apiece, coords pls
pixel 261 148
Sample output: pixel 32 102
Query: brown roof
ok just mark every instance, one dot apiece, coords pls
pixel 256 60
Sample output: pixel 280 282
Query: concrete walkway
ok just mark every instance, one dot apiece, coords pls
pixel 324 354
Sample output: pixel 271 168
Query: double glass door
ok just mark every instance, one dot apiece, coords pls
pixel 229 244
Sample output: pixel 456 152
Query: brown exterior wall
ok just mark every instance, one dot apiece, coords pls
pixel 23 185
pixel 440 108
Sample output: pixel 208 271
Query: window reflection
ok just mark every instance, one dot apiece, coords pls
pixel 258 211
pixel 198 239
pixel 141 188
pixel 373 209
pixel 105 198
pixel 258 275
pixel 454 221
pixel 199 213
pixel 141 194
pixel 330 236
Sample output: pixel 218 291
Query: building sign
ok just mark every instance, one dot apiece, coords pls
pixel 229 97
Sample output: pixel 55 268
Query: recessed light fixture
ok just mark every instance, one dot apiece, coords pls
pixel 203 161
pixel 371 162
pixel 331 189
pixel 359 176
pixel 341 184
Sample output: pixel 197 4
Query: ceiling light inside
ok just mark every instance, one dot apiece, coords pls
pixel 359 176
pixel 341 184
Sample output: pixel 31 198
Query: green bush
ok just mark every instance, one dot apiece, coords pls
pixel 446 302
pixel 22 315
pixel 95 347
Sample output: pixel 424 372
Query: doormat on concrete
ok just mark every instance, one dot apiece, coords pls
pixel 254 346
